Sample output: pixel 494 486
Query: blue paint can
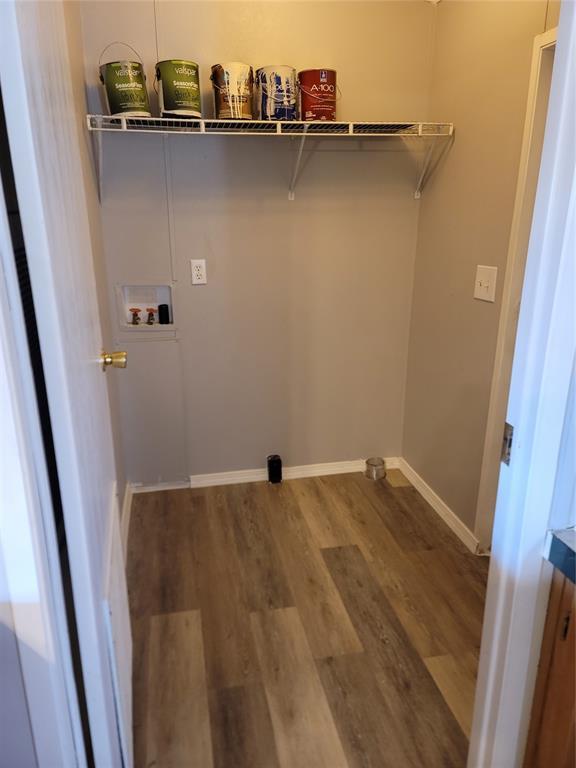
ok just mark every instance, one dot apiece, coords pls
pixel 276 93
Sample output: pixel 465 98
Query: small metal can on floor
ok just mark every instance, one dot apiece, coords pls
pixel 375 468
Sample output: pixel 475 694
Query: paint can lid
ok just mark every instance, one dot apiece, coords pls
pixel 177 61
pixel 318 69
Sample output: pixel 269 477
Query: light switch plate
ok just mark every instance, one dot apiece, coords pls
pixel 485 285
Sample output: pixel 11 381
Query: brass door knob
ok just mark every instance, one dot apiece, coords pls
pixel 114 359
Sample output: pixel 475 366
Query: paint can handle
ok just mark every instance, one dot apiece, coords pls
pixel 119 42
pixel 272 97
pixel 243 90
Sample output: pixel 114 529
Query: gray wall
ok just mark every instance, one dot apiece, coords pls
pixel 298 343
pixel 480 79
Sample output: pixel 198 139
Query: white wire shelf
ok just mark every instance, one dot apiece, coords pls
pixel 436 136
pixel 168 125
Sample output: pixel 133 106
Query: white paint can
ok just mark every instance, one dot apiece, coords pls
pixel 276 93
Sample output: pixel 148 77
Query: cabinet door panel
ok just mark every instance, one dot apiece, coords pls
pixel 551 740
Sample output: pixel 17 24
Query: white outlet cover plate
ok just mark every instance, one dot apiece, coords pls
pixel 485 285
pixel 198 269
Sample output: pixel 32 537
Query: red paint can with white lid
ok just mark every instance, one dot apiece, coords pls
pixel 318 94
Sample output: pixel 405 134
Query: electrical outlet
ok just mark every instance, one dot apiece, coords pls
pixel 198 267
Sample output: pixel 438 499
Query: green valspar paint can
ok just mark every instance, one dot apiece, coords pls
pixel 124 84
pixel 178 88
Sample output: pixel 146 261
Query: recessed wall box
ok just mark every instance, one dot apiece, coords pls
pixel 145 299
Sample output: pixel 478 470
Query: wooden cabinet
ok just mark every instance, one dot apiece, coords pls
pixel 551 738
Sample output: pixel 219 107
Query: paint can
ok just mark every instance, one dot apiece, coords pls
pixel 276 93
pixel 178 88
pixel 124 84
pixel 318 94
pixel 375 468
pixel 233 84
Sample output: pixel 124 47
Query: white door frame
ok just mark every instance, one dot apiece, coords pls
pixel 538 407
pixel 536 108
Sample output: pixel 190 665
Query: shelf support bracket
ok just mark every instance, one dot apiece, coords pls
pixel 423 172
pixel 297 165
pixel 98 160
pixel 434 154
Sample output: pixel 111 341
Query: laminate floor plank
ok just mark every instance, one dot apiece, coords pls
pixel 439 611
pixel 326 622
pixel 363 716
pixel 139 554
pixel 458 631
pixel 160 570
pixel 386 502
pixel 456 679
pixel 374 537
pixel 417 616
pixel 242 735
pixel 424 518
pixel 413 523
pixel 397 479
pixel 266 583
pixel 302 720
pixel 420 712
pixel 140 640
pixel 328 526
pixel 471 569
pixel 178 721
pixel 229 649
pixel 464 599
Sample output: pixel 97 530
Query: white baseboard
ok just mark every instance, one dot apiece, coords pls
pixel 306 470
pixel 288 473
pixel 125 518
pixel 229 478
pixel 174 486
pixel 448 516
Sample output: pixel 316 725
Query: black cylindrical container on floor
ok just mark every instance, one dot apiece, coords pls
pixel 274 468
pixel 163 314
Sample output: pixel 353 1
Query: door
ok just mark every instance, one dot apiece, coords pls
pixel 43 114
pixel 534 485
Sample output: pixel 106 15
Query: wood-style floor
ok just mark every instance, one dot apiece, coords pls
pixel 321 623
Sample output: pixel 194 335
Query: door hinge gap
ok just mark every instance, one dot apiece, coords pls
pixel 507 443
